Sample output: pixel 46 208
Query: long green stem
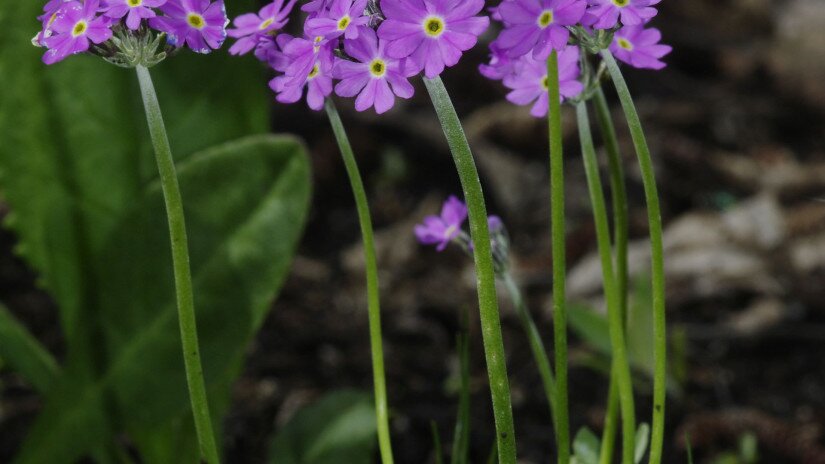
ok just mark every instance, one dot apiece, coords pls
pixel 485 273
pixel 180 262
pixel 618 189
pixel 561 407
pixel 536 344
pixel 373 297
pixel 657 257
pixel 620 367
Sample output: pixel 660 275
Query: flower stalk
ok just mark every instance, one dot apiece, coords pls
pixel 657 257
pixel 373 291
pixel 485 271
pixel 182 271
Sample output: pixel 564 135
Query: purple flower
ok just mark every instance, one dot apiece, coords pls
pixel 538 25
pixel 316 77
pixel 315 6
pixel 605 14
pixel 432 33
pixel 640 47
pixel 251 28
pixel 528 83
pixel 375 78
pixel 500 64
pixel 200 24
pixel 50 11
pixel 134 10
pixel 299 56
pixel 344 17
pixel 441 230
pixel 72 30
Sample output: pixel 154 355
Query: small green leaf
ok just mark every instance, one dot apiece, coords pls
pixel 749 448
pixel 591 326
pixel 586 446
pixel 642 440
pixel 20 350
pixel 339 428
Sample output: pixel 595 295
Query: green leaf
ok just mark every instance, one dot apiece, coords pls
pixel 586 447
pixel 590 326
pixel 246 203
pixel 338 428
pixel 642 440
pixel 20 350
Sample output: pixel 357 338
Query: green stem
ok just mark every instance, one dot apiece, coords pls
pixel 621 367
pixel 618 189
pixel 536 344
pixel 561 407
pixel 180 263
pixel 485 273
pixel 373 297
pixel 657 257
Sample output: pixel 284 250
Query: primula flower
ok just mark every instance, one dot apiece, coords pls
pixel 344 17
pixel 317 78
pixel 134 10
pixel 251 28
pixel 432 33
pixel 441 230
pixel 200 24
pixel 640 47
pixel 538 25
pixel 529 83
pixel 315 6
pixel 375 78
pixel 73 29
pixel 500 64
pixel 299 56
pixel 605 14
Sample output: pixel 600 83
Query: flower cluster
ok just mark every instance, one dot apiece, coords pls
pixel 370 48
pixel 532 29
pixel 70 27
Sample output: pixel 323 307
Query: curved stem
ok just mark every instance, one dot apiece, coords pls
pixel 621 367
pixel 373 297
pixel 618 189
pixel 536 344
pixel 561 407
pixel 180 263
pixel 485 273
pixel 657 258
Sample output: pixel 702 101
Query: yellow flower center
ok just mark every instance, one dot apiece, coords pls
pixel 134 3
pixel 52 18
pixel 624 43
pixel 317 43
pixel 546 18
pixel 79 28
pixel 434 26
pixel 315 71
pixel 450 231
pixel 344 22
pixel 378 68
pixel 545 83
pixel 195 20
pixel 621 3
pixel 266 23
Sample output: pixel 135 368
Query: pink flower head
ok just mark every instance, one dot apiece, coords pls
pixel 343 18
pixel 432 33
pixel 200 24
pixel 441 230
pixel 375 78
pixel 250 29
pixel 134 10
pixel 538 25
pixel 528 83
pixel 640 47
pixel 605 14
pixel 75 27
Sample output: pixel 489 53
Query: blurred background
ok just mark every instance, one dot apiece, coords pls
pixel 735 123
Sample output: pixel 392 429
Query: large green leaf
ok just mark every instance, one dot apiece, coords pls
pixel 339 428
pixel 246 205
pixel 24 353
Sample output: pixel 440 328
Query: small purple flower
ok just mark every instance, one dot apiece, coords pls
pixel 375 78
pixel 73 29
pixel 529 84
pixel 200 24
pixel 315 6
pixel 605 14
pixel 538 25
pixel 251 28
pixel 432 33
pixel 299 55
pixel 317 77
pixel 441 230
pixel 640 47
pixel 500 65
pixel 134 10
pixel 50 11
pixel 344 17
